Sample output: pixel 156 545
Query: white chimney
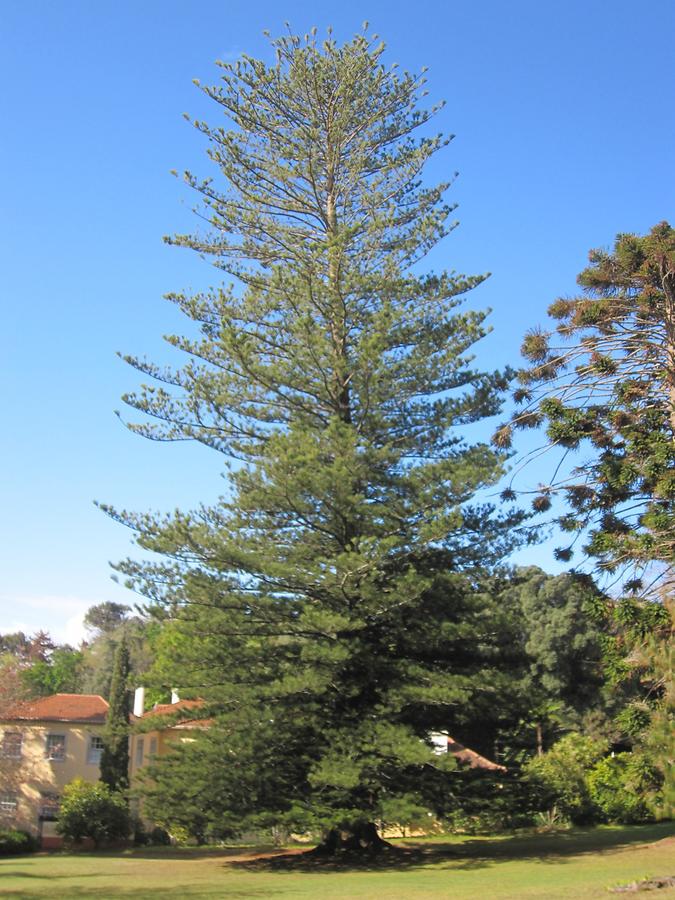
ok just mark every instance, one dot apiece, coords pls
pixel 439 742
pixel 174 696
pixel 139 701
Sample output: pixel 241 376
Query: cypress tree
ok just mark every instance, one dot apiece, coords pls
pixel 115 756
pixel 325 608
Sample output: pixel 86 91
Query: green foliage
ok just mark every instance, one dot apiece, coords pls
pixel 562 774
pixel 221 783
pixel 41 666
pixel 301 767
pixel 634 718
pixel 45 667
pixel 99 653
pixel 620 785
pixel 115 756
pixel 561 640
pixel 11 685
pixel 658 744
pixel 106 617
pixel 17 645
pixel 578 780
pixel 332 591
pixel 492 805
pixel 653 657
pixel 553 646
pixel 159 837
pixel 62 672
pixel 639 652
pixel 92 811
pixel 406 811
pixel 13 842
pixel 604 384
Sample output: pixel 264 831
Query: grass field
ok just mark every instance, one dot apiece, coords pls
pixel 578 864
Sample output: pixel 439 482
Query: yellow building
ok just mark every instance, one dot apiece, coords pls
pixel 44 744
pixel 157 729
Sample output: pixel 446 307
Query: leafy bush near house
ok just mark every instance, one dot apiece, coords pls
pixel 621 786
pixel 562 776
pixel 578 781
pixel 13 842
pixel 92 811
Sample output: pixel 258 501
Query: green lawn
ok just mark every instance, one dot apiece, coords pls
pixel 578 864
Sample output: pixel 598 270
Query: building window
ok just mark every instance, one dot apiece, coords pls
pixel 56 747
pixel 153 746
pixel 50 804
pixel 95 749
pixel 139 752
pixel 12 742
pixel 8 803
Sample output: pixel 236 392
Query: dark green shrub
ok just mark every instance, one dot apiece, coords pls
pixel 13 842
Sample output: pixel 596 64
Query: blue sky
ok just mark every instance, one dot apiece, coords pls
pixel 563 117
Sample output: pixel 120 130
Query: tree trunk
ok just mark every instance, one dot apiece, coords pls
pixel 668 282
pixel 360 839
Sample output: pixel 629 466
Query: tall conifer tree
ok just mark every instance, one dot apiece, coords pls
pixel 331 590
pixel 115 756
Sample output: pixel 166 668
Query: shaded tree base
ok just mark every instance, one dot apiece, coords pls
pixel 361 840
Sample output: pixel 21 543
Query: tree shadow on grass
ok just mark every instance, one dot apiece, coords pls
pixel 173 853
pixel 477 853
pixel 47 876
pixel 88 893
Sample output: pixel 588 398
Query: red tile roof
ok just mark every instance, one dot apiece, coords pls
pixel 166 709
pixel 169 709
pixel 474 760
pixel 87 708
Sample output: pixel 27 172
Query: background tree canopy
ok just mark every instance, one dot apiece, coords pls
pixel 608 385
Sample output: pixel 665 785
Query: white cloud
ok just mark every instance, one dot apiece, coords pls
pixel 62 616
pixel 74 631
